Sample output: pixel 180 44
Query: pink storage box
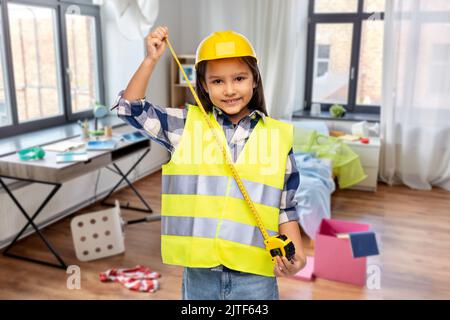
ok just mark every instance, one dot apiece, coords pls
pixel 307 273
pixel 333 257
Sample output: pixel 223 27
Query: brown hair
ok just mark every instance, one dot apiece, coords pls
pixel 257 102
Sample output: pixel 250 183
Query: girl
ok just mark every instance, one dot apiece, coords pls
pixel 206 224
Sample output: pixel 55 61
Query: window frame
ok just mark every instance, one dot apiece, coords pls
pixel 67 116
pixel 356 19
pixel 93 12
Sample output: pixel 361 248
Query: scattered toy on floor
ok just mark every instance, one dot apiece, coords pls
pixel 139 278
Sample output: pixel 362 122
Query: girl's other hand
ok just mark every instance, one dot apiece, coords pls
pixel 156 44
pixel 285 268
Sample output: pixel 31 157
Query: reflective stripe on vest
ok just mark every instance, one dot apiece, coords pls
pixel 217 186
pixel 207 228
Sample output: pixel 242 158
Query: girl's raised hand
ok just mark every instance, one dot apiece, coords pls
pixel 156 44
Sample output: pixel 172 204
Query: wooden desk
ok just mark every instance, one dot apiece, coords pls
pixel 48 171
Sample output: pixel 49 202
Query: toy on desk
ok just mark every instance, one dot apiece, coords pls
pixel 134 136
pixel 64 146
pixel 108 131
pixel 100 111
pixel 101 145
pixel 72 157
pixel 84 129
pixel 97 133
pixel 34 153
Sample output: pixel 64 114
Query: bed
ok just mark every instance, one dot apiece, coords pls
pixel 316 183
pixel 318 164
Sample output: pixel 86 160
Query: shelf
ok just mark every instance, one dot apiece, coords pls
pixel 186 56
pixel 178 93
pixel 349 116
pixel 183 85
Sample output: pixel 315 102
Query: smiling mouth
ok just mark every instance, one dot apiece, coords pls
pixel 231 101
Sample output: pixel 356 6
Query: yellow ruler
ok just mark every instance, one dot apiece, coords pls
pixel 223 149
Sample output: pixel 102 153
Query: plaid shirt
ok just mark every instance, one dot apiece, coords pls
pixel 165 126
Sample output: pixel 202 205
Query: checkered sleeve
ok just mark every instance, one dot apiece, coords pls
pixel 288 205
pixel 163 125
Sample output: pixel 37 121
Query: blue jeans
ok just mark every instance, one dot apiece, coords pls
pixel 205 284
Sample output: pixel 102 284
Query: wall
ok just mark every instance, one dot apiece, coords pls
pixel 122 57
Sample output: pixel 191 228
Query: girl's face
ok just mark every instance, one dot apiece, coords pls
pixel 229 83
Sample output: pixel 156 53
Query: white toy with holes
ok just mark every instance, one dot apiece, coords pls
pixel 99 234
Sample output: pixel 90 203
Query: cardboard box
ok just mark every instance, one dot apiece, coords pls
pixel 333 258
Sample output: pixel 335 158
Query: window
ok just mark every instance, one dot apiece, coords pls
pixel 5 114
pixel 331 6
pixel 345 46
pixel 37 68
pixel 370 63
pixel 333 40
pixel 438 80
pixel 374 6
pixel 322 60
pixel 81 44
pixel 51 70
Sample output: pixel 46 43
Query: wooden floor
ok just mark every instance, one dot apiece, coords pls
pixel 413 229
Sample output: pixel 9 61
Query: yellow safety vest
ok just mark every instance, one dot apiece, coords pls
pixel 205 220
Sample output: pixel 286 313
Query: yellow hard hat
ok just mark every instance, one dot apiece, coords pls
pixel 224 44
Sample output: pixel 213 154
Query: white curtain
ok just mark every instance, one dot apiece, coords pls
pixel 415 113
pixel 134 18
pixel 278 32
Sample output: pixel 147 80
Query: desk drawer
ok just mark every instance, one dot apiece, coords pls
pixel 79 168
